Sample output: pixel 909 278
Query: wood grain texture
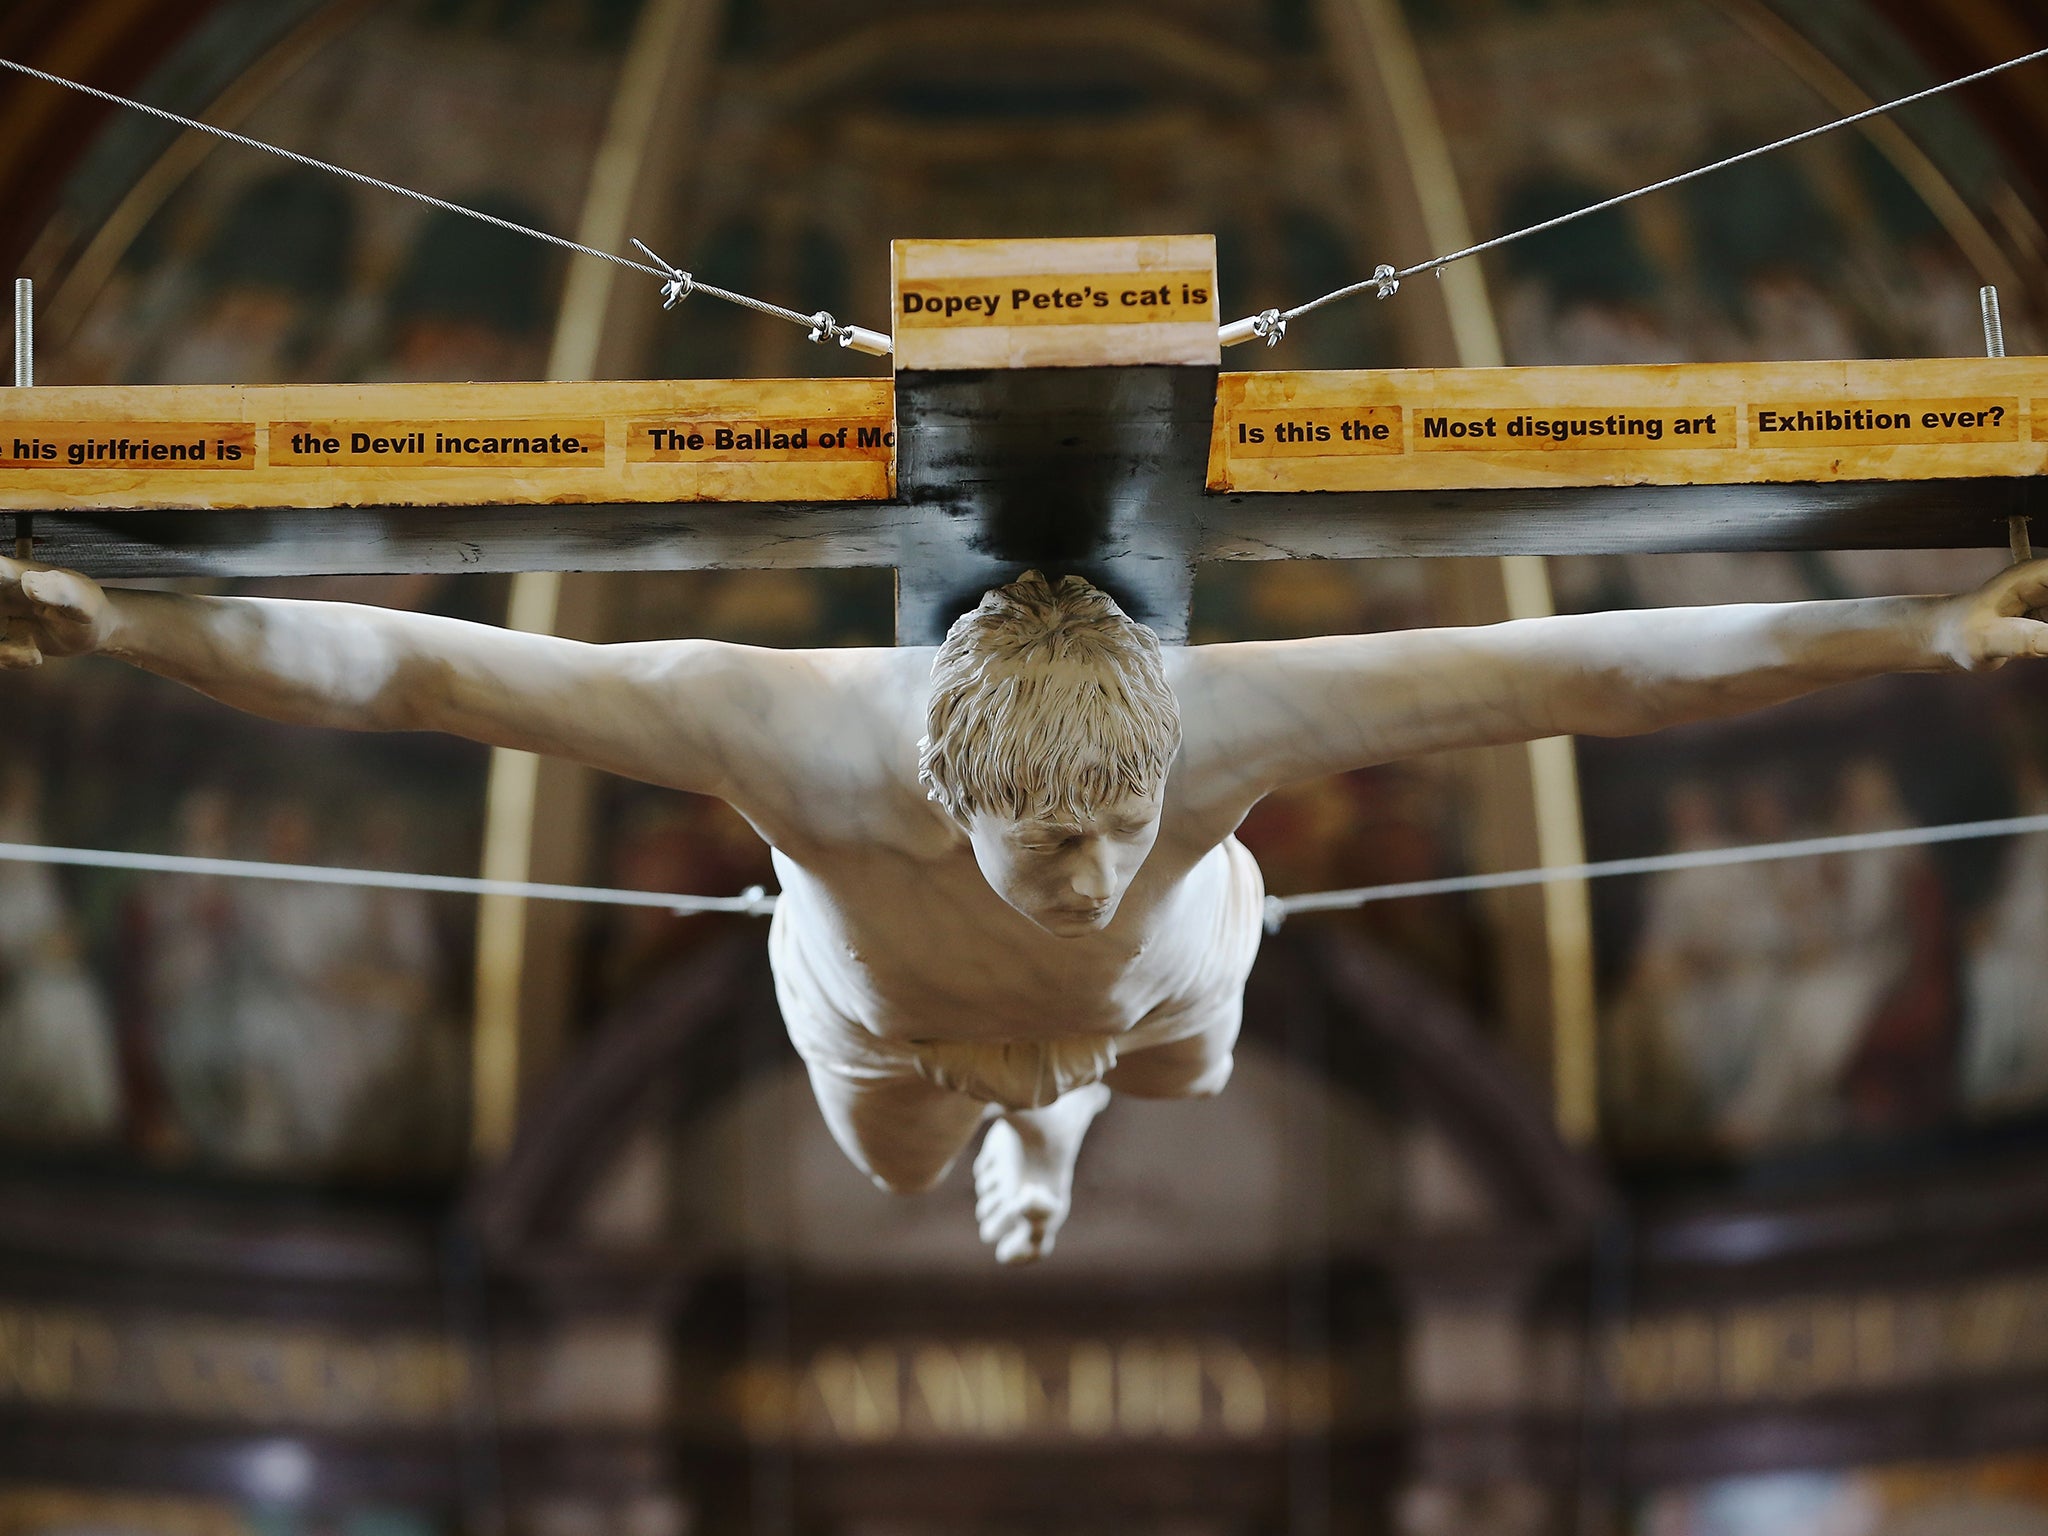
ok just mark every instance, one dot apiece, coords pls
pixel 206 447
pixel 1694 424
pixel 1055 303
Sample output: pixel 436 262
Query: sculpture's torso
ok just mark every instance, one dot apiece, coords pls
pixel 921 949
pixel 894 929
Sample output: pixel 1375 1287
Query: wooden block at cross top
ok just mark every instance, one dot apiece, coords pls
pixel 963 304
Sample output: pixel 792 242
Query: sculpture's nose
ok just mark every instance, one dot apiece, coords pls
pixel 1095 870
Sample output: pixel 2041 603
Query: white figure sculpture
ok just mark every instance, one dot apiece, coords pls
pixel 1009 880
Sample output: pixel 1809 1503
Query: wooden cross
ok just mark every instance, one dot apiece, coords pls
pixel 1056 404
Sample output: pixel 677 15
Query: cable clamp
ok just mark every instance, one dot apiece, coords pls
pixel 1270 324
pixel 856 338
pixel 1276 914
pixel 680 284
pixel 1385 281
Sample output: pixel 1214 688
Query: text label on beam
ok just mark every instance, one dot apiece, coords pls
pixel 198 447
pixel 1055 303
pixel 1706 424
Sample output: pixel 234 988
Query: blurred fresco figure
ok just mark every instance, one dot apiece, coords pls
pixel 274 277
pixel 1790 317
pixel 1935 298
pixel 2005 1032
pixel 1688 1019
pixel 1924 284
pixel 1778 1002
pixel 332 985
pixel 668 842
pixel 1384 825
pixel 296 1044
pixel 1850 920
pixel 1583 293
pixel 186 933
pixel 297 1027
pixel 406 1068
pixel 1896 930
pixel 1819 986
pixel 471 302
pixel 1767 251
pixel 59 1074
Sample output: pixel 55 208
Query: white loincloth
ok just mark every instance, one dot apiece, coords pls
pixel 1027 1074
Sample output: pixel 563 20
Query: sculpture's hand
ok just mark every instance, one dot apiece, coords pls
pixel 1984 629
pixel 49 612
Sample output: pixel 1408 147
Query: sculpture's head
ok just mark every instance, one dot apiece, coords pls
pixel 1048 738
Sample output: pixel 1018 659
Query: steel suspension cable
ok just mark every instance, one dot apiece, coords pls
pixel 1280 908
pixel 1385 281
pixel 752 902
pixel 676 283
pixel 758 902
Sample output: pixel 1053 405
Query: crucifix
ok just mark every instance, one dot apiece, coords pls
pixel 1009 881
pixel 1124 460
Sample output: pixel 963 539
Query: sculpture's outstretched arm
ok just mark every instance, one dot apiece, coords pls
pixel 1268 713
pixel 694 715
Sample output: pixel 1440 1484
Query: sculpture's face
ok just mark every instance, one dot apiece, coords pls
pixel 1067 876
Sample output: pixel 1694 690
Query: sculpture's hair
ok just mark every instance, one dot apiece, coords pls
pixel 1047 700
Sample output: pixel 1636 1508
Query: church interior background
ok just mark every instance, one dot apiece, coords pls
pixel 393 1215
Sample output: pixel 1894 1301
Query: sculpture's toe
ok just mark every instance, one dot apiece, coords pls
pixel 1028 1240
pixel 1017 1216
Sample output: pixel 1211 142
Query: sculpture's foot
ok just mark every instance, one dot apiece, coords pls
pixel 1024 1174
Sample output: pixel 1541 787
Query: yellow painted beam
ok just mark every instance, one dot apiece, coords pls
pixel 200 447
pixel 203 447
pixel 1694 424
